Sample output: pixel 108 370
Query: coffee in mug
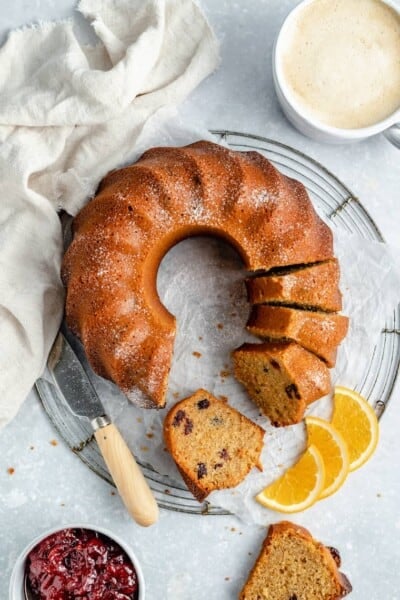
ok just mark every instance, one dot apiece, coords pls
pixel 341 61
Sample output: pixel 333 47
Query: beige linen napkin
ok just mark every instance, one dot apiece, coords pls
pixel 68 114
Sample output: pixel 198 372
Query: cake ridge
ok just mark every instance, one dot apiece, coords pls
pixel 232 167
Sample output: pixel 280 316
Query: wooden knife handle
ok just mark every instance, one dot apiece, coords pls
pixel 127 476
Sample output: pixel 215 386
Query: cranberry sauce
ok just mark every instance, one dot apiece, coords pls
pixel 81 563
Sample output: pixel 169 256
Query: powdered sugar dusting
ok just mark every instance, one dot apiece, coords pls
pixel 139 398
pixel 261 197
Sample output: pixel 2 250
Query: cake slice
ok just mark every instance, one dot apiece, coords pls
pixel 312 286
pixel 292 565
pixel 318 332
pixel 213 445
pixel 281 378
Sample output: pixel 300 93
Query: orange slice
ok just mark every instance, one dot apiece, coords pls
pixel 333 449
pixel 299 487
pixel 356 420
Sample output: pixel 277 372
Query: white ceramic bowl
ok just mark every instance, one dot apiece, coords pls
pixel 304 122
pixel 16 589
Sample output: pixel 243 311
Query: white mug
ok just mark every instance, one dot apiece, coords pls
pixel 311 127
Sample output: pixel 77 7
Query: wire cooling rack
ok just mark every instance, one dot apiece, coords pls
pixel 335 202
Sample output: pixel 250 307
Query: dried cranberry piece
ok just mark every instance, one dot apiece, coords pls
pixel 292 391
pixel 188 426
pixel 201 470
pixel 335 555
pixel 180 415
pixel 202 404
pixel 347 587
pixel 218 465
pixel 224 454
pixel 275 365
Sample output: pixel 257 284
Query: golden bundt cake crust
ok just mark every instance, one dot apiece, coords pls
pixel 138 214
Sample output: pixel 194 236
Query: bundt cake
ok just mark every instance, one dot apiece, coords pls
pixel 138 214
pixel 311 286
pixel 318 332
pixel 213 445
pixel 292 565
pixel 282 378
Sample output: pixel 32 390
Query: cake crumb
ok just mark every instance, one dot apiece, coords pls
pixel 223 398
pixel 200 337
pixel 144 448
pixel 54 442
pixel 62 503
pixel 139 419
pixel 196 354
pixel 176 395
pixel 379 495
pixel 11 470
pixel 167 491
pixel 150 435
pixel 220 325
pixel 31 447
pixel 227 578
pixel 113 493
pixel 224 373
pixel 233 528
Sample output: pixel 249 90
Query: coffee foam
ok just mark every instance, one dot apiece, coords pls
pixel 341 61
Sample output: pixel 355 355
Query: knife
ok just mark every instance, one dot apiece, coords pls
pixel 83 401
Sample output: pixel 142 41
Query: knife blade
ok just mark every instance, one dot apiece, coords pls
pixel 83 400
pixel 72 379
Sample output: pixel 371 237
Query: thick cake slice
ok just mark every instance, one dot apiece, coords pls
pixel 213 445
pixel 312 286
pixel 292 565
pixel 318 332
pixel 281 378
